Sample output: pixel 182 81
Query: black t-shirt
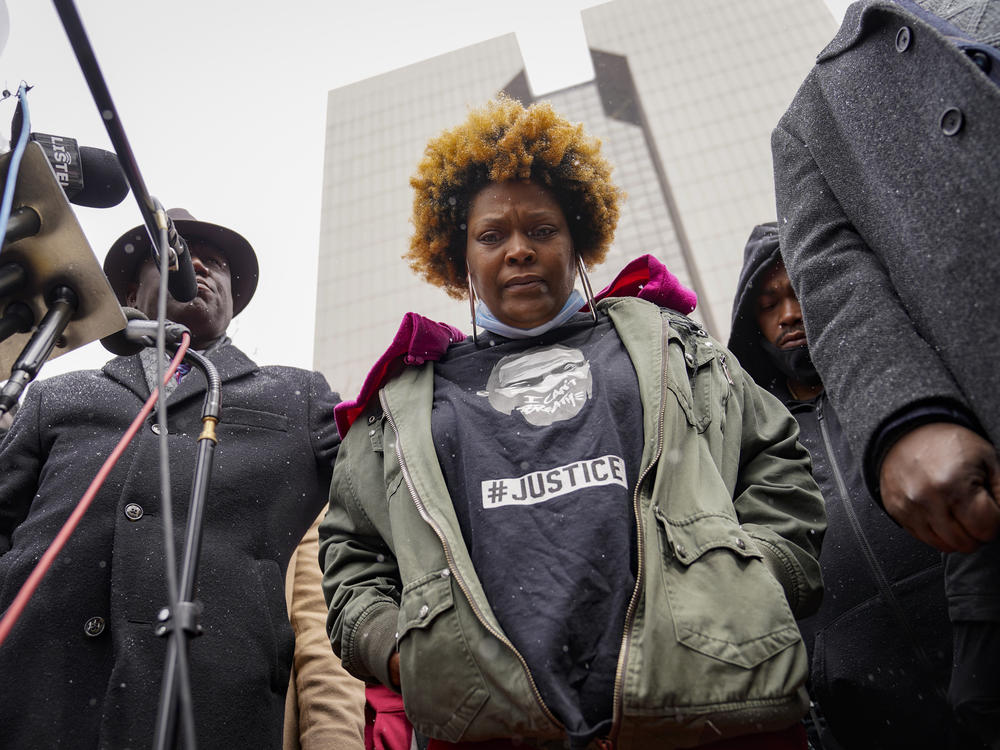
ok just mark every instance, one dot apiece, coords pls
pixel 540 442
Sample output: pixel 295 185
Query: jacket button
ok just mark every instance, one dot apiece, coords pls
pixel 424 610
pixel 679 549
pixel 952 121
pixel 133 512
pixel 903 37
pixel 689 357
pixel 155 427
pixel 94 626
pixel 446 572
pixel 741 544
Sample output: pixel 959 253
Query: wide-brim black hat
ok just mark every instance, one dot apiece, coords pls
pixel 131 250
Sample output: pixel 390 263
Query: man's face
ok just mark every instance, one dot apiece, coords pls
pixel 209 313
pixel 778 313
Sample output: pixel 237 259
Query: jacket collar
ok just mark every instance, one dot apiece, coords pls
pixel 858 15
pixel 230 362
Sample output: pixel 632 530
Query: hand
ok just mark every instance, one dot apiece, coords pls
pixel 394 669
pixel 941 482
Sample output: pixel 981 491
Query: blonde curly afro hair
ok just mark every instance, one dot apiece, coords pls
pixel 506 141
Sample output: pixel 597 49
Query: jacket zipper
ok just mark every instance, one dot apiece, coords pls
pixel 881 582
pixel 616 711
pixel 421 509
pixel 725 369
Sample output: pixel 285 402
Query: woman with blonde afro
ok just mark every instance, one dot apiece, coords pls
pixel 583 526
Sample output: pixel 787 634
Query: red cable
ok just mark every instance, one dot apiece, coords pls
pixel 28 589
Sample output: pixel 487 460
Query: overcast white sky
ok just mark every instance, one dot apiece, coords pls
pixel 224 104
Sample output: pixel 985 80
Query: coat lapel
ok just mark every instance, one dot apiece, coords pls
pixel 850 29
pixel 230 362
pixel 128 371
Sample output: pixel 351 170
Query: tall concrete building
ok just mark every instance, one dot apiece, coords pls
pixel 684 98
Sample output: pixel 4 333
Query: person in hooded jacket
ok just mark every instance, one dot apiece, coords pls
pixel 880 644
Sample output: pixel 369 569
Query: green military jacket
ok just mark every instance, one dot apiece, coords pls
pixel 729 523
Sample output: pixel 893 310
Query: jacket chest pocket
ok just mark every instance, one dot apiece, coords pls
pixel 442 688
pixel 694 381
pixel 723 600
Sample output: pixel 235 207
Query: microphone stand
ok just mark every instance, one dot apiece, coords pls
pixel 182 624
pixel 152 216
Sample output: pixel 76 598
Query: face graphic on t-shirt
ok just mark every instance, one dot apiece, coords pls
pixel 546 384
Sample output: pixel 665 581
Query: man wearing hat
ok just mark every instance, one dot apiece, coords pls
pixel 82 668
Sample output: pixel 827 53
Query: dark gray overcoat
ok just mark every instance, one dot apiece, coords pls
pixel 887 177
pixel 82 669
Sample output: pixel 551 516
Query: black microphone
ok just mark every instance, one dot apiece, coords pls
pixel 181 281
pixel 63 303
pixel 140 332
pixel 90 177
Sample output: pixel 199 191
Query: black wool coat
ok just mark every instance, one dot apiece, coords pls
pixel 887 179
pixel 82 668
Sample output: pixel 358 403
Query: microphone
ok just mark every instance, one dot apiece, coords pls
pixel 181 281
pixel 90 177
pixel 63 302
pixel 140 332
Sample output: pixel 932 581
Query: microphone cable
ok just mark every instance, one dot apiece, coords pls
pixel 19 603
pixel 169 552
pixel 15 159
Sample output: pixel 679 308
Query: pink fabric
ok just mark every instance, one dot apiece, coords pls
pixel 420 339
pixel 648 279
pixel 386 725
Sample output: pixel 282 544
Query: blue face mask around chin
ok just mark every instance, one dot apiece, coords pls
pixel 486 319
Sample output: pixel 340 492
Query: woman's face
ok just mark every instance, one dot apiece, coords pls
pixel 519 252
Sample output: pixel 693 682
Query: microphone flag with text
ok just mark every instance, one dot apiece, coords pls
pixel 91 177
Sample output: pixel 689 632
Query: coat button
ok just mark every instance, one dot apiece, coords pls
pixel 155 427
pixel 133 512
pixel 424 610
pixel 689 358
pixel 952 121
pixel 981 59
pixel 679 549
pixel 741 544
pixel 94 626
pixel 903 37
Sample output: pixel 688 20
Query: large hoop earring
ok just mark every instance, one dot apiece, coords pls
pixel 472 305
pixel 585 281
